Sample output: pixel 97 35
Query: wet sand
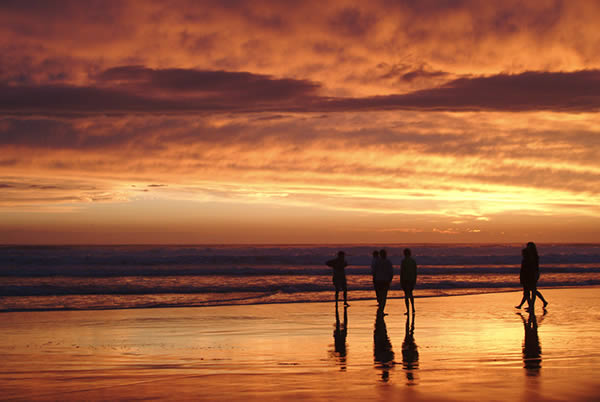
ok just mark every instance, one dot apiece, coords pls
pixel 458 348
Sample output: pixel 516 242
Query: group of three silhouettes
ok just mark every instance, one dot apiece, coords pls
pixel 382 271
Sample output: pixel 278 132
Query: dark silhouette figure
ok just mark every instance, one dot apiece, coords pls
pixel 339 276
pixel 532 350
pixel 382 278
pixel 529 274
pixel 408 279
pixel 410 352
pixel 339 338
pixel 382 348
pixel 531 249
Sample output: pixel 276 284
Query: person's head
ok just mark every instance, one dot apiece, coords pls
pixel 532 248
pixel 375 254
pixel 341 254
pixel 407 252
pixel 383 253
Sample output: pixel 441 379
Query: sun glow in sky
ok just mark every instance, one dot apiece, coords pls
pixel 299 122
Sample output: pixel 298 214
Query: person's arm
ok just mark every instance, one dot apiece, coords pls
pixel 416 271
pixel 403 270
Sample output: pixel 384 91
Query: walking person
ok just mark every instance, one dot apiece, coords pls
pixel 339 276
pixel 531 248
pixel 382 278
pixel 408 279
pixel 529 274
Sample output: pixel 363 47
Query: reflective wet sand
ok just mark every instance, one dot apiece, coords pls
pixel 456 348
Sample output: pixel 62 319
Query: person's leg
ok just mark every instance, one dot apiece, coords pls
pixel 336 296
pixel 539 294
pixel 345 289
pixel 406 300
pixel 533 292
pixel 523 299
pixel 376 291
pixel 412 300
pixel 384 291
pixel 527 295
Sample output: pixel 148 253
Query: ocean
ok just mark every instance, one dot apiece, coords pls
pixel 129 276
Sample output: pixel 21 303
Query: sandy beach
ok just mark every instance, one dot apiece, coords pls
pixel 458 348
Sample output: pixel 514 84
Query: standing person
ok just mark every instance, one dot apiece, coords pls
pixel 382 277
pixel 339 276
pixel 408 279
pixel 374 263
pixel 529 274
pixel 531 249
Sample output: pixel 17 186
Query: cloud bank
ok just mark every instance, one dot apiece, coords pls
pixel 137 89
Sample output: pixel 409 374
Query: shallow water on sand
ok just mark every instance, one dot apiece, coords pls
pixel 461 347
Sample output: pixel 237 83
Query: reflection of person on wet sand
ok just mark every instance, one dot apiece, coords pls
pixel 339 337
pixel 532 350
pixel 382 348
pixel 410 352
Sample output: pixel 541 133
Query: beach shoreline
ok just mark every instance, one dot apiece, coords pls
pixel 394 294
pixel 458 348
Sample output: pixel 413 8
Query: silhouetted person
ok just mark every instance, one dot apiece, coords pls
pixel 382 348
pixel 531 248
pixel 532 350
pixel 408 279
pixel 529 274
pixel 339 276
pixel 382 278
pixel 410 352
pixel 339 337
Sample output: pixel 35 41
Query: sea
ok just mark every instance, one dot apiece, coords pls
pixel 38 278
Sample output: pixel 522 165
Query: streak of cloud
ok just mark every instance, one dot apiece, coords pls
pixel 135 89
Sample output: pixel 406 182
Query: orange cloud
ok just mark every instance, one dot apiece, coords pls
pixel 372 121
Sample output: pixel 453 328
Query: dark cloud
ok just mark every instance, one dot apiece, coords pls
pixel 130 89
pixel 59 134
pixel 140 89
pixel 244 85
pixel 408 73
pixel 28 185
pixel 421 73
pixel 553 91
pixel 41 19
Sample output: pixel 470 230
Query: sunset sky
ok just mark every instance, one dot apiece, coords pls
pixel 299 121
